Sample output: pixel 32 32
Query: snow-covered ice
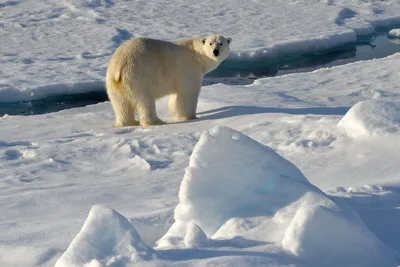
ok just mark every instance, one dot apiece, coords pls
pixel 395 33
pixel 58 169
pixel 56 166
pixel 64 46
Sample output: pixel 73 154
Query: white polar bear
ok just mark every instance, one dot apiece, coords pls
pixel 142 70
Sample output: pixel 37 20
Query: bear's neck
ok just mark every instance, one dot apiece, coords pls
pixel 207 64
pixel 203 61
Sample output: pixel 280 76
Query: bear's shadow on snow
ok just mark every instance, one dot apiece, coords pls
pixel 232 111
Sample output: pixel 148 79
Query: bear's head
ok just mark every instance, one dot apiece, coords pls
pixel 216 47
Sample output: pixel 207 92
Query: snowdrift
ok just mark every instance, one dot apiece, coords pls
pixel 371 118
pixel 241 195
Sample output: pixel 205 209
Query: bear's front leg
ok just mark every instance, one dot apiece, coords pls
pixel 183 104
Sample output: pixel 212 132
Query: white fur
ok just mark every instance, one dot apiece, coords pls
pixel 143 70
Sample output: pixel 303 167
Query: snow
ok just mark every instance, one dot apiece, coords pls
pixel 58 169
pixel 68 161
pixel 195 237
pixel 25 255
pixel 260 196
pixel 371 117
pixel 395 33
pixel 56 166
pixel 213 191
pixel 335 237
pixel 106 237
pixel 62 47
pixel 252 198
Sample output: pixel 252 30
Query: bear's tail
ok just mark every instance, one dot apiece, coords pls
pixel 117 81
pixel 114 80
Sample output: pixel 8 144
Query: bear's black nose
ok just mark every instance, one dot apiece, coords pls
pixel 216 52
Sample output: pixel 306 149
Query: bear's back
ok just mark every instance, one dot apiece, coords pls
pixel 142 50
pixel 148 46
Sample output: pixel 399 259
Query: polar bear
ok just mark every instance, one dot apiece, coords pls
pixel 142 70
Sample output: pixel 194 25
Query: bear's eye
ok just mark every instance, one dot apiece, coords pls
pixel 210 43
pixel 221 44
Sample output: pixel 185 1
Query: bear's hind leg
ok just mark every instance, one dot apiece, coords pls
pixel 123 110
pixel 146 109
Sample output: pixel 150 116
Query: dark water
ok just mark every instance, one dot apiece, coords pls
pixel 52 104
pixel 365 48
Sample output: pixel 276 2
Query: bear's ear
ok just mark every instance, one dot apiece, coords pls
pixel 229 40
pixel 203 40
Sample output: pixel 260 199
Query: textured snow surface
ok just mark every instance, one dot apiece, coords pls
pixel 55 167
pixel 252 200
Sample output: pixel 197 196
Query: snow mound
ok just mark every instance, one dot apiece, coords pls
pixel 229 174
pixel 243 194
pixel 334 237
pixel 395 33
pixel 106 238
pixel 371 118
pixel 195 237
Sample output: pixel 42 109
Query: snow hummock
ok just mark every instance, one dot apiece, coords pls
pixel 212 190
pixel 333 236
pixel 240 191
pixel 371 118
pixel 195 237
pixel 395 33
pixel 106 237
